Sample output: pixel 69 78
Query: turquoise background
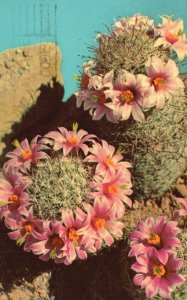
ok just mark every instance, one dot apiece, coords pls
pixel 72 24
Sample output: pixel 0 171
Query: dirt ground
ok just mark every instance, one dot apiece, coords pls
pixel 106 276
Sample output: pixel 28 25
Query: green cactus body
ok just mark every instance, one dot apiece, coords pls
pixel 60 183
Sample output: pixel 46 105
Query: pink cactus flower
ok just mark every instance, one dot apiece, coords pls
pixel 26 155
pixel 164 80
pixel 113 188
pixel 69 140
pixel 155 235
pixel 96 97
pixel 22 229
pixel 157 277
pixel 138 21
pixel 183 211
pixel 75 244
pixel 13 199
pixel 172 35
pixel 128 96
pixel 101 225
pixel 106 158
pixel 49 241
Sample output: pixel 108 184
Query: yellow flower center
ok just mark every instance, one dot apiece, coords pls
pixel 26 154
pixel 159 82
pixel 72 140
pixel 126 96
pixel 112 189
pixel 154 239
pixel 99 223
pixel 158 270
pixel 73 235
pixel 172 38
pixel 56 242
pixel 109 162
pixel 14 200
pixel 28 227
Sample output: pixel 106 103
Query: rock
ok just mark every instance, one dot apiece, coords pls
pixel 25 73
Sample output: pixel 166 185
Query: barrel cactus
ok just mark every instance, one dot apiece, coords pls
pixel 63 195
pixel 133 87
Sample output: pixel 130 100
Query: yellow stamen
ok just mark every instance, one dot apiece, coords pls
pixel 159 270
pixel 112 189
pixel 73 235
pixel 14 200
pixel 26 154
pixel 109 162
pixel 154 239
pixel 72 140
pixel 172 38
pixel 99 97
pixel 28 227
pixel 76 77
pixel 99 223
pixel 159 82
pixel 127 96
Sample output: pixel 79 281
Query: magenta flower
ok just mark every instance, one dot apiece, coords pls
pixel 70 140
pixel 22 229
pixel 106 159
pixel 95 97
pixel 128 96
pixel 157 277
pixel 164 80
pixel 155 235
pixel 75 244
pixel 113 188
pixel 172 35
pixel 101 225
pixel 49 241
pixel 26 155
pixel 13 199
pixel 183 211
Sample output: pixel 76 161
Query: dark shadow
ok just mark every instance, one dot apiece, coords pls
pixel 47 106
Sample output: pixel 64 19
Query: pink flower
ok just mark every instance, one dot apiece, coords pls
pixel 96 97
pixel 157 277
pixel 70 140
pixel 106 159
pixel 128 96
pixel 164 80
pixel 102 226
pixel 26 155
pixel 113 188
pixel 172 35
pixel 155 235
pixel 13 199
pixel 22 229
pixel 138 21
pixel 75 244
pixel 49 241
pixel 182 211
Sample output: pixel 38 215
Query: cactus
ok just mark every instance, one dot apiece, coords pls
pixel 156 147
pixel 59 183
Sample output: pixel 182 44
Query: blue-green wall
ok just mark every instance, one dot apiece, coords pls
pixel 72 24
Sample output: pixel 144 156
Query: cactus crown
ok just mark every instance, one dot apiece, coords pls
pixel 57 184
pixel 130 51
